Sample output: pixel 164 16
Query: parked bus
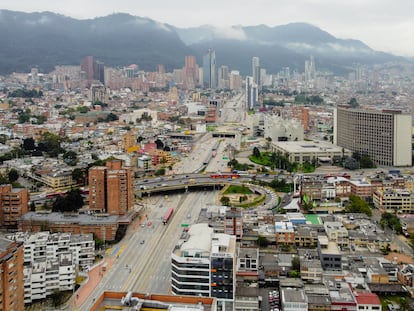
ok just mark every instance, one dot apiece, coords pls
pixel 167 216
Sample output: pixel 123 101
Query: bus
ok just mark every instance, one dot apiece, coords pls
pixel 167 216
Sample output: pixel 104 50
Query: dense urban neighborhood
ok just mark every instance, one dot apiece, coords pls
pixel 207 189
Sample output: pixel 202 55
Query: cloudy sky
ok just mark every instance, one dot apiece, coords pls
pixel 385 25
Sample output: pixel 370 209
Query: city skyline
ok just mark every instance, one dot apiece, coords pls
pixel 379 24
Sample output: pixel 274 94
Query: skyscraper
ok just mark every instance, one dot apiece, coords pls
pixel 310 70
pixel 252 94
pixel 384 136
pixel 223 77
pixel 190 72
pixel 209 69
pixel 93 70
pixel 256 70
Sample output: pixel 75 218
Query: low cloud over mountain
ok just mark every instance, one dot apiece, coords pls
pixel 47 39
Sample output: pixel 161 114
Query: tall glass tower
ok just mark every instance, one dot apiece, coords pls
pixel 209 69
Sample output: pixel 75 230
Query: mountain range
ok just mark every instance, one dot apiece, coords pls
pixel 47 39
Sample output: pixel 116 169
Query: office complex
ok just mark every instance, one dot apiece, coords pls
pixel 209 69
pixel 111 188
pixel 11 272
pixel 13 205
pixel 384 136
pixel 204 264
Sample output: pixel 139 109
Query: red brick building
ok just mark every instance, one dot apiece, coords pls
pixel 13 204
pixel 11 275
pixel 111 188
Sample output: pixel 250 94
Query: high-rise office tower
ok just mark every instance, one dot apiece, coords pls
pixel 256 70
pixel 205 265
pixel 209 69
pixel 252 94
pixel 111 188
pixel 384 136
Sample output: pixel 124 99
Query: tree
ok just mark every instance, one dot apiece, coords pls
pixel 50 143
pixel 29 144
pixel 111 117
pixel 357 205
pixel 71 202
pixel 256 152
pixel 70 157
pixel 351 163
pixel 224 200
pixel 160 144
pixel 353 103
pixel 262 241
pixel 268 142
pixel 296 263
pixel 79 175
pixel 13 175
pixel 160 172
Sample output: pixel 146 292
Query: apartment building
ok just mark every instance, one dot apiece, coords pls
pixel 50 261
pixel 111 188
pixel 204 264
pixel 102 226
pixel 13 204
pixel 43 277
pixel 385 136
pixel 44 245
pixel 11 274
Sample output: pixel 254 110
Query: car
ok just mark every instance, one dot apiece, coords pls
pixel 145 180
pixel 142 225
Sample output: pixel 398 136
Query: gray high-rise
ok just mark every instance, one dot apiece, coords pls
pixel 209 69
pixel 385 136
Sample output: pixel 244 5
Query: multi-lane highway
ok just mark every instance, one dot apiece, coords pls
pixel 144 256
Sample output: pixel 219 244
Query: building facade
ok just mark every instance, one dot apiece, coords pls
pixel 205 265
pixel 384 136
pixel 111 188
pixel 13 204
pixel 11 271
pixel 209 69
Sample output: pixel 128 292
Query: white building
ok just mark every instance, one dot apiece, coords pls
pixel 280 129
pixel 307 151
pixel 204 264
pixel 51 259
pixel 43 278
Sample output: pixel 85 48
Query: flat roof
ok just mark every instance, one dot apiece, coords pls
pixel 83 219
pixel 308 146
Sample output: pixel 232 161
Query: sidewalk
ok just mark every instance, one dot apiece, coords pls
pixel 95 275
